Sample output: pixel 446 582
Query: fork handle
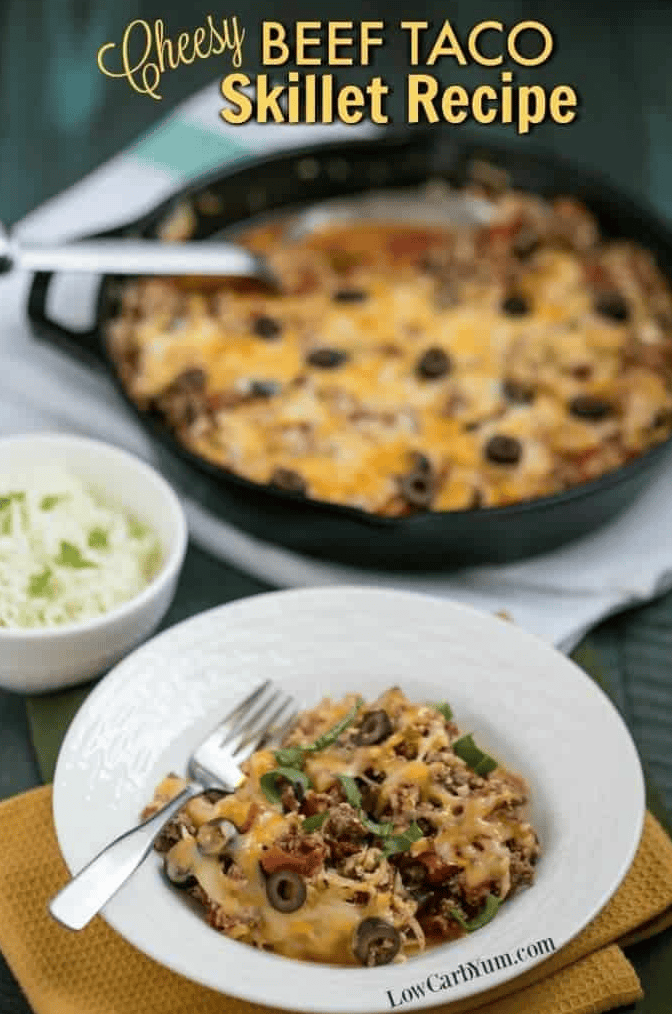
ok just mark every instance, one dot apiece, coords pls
pixel 83 897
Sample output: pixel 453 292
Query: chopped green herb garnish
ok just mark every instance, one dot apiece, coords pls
pixel 381 830
pixel 136 529
pixel 329 737
pixel 97 539
pixel 485 766
pixel 354 797
pixel 70 556
pixel 293 755
pixel 402 842
pixel 5 508
pixel 488 912
pixel 290 756
pixel 47 503
pixel 312 823
pixel 351 789
pixel 152 562
pixel 269 782
pixel 445 710
pixel 480 763
pixel 39 584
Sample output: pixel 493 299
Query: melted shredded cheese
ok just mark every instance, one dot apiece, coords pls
pixel 478 825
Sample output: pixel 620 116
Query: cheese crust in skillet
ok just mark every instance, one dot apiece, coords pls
pixel 413 367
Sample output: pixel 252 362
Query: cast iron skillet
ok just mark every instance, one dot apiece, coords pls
pixel 423 541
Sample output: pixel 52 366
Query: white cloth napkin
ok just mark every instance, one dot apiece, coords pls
pixel 557 596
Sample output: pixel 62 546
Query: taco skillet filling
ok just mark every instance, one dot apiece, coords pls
pixel 373 832
pixel 408 367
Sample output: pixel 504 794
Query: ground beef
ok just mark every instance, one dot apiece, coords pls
pixel 319 802
pixel 343 822
pixel 304 854
pixel 225 923
pixel 184 400
pixel 173 831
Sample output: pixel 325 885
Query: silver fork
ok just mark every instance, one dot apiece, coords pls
pixel 214 764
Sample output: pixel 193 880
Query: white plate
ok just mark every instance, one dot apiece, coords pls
pixel 527 704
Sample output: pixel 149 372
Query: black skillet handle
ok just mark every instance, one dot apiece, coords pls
pixel 82 345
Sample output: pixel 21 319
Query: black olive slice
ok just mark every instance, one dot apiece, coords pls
pixel 518 392
pixel 503 450
pixel 178 873
pixel 326 358
pixel 589 407
pixel 350 296
pixel 263 388
pixel 613 306
pixel 285 890
pixel 375 727
pixel 376 942
pixel 417 489
pixel 266 327
pixel 515 305
pixel 215 836
pixel 289 481
pixel 434 362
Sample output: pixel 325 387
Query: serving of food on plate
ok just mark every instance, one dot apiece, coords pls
pixel 390 836
pixel 413 367
pixel 372 832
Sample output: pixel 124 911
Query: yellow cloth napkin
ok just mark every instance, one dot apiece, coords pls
pixel 97 972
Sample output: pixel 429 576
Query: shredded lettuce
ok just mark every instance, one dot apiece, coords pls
pixel 67 552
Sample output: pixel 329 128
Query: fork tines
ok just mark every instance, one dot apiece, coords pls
pixel 267 713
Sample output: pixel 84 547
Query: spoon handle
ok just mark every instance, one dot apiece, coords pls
pixel 143 257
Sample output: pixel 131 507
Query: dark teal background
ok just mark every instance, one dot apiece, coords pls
pixel 61 117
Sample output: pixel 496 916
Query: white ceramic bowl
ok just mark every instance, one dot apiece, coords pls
pixel 36 660
pixel 527 704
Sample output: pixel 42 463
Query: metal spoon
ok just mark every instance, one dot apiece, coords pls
pixel 130 256
pixel 137 257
